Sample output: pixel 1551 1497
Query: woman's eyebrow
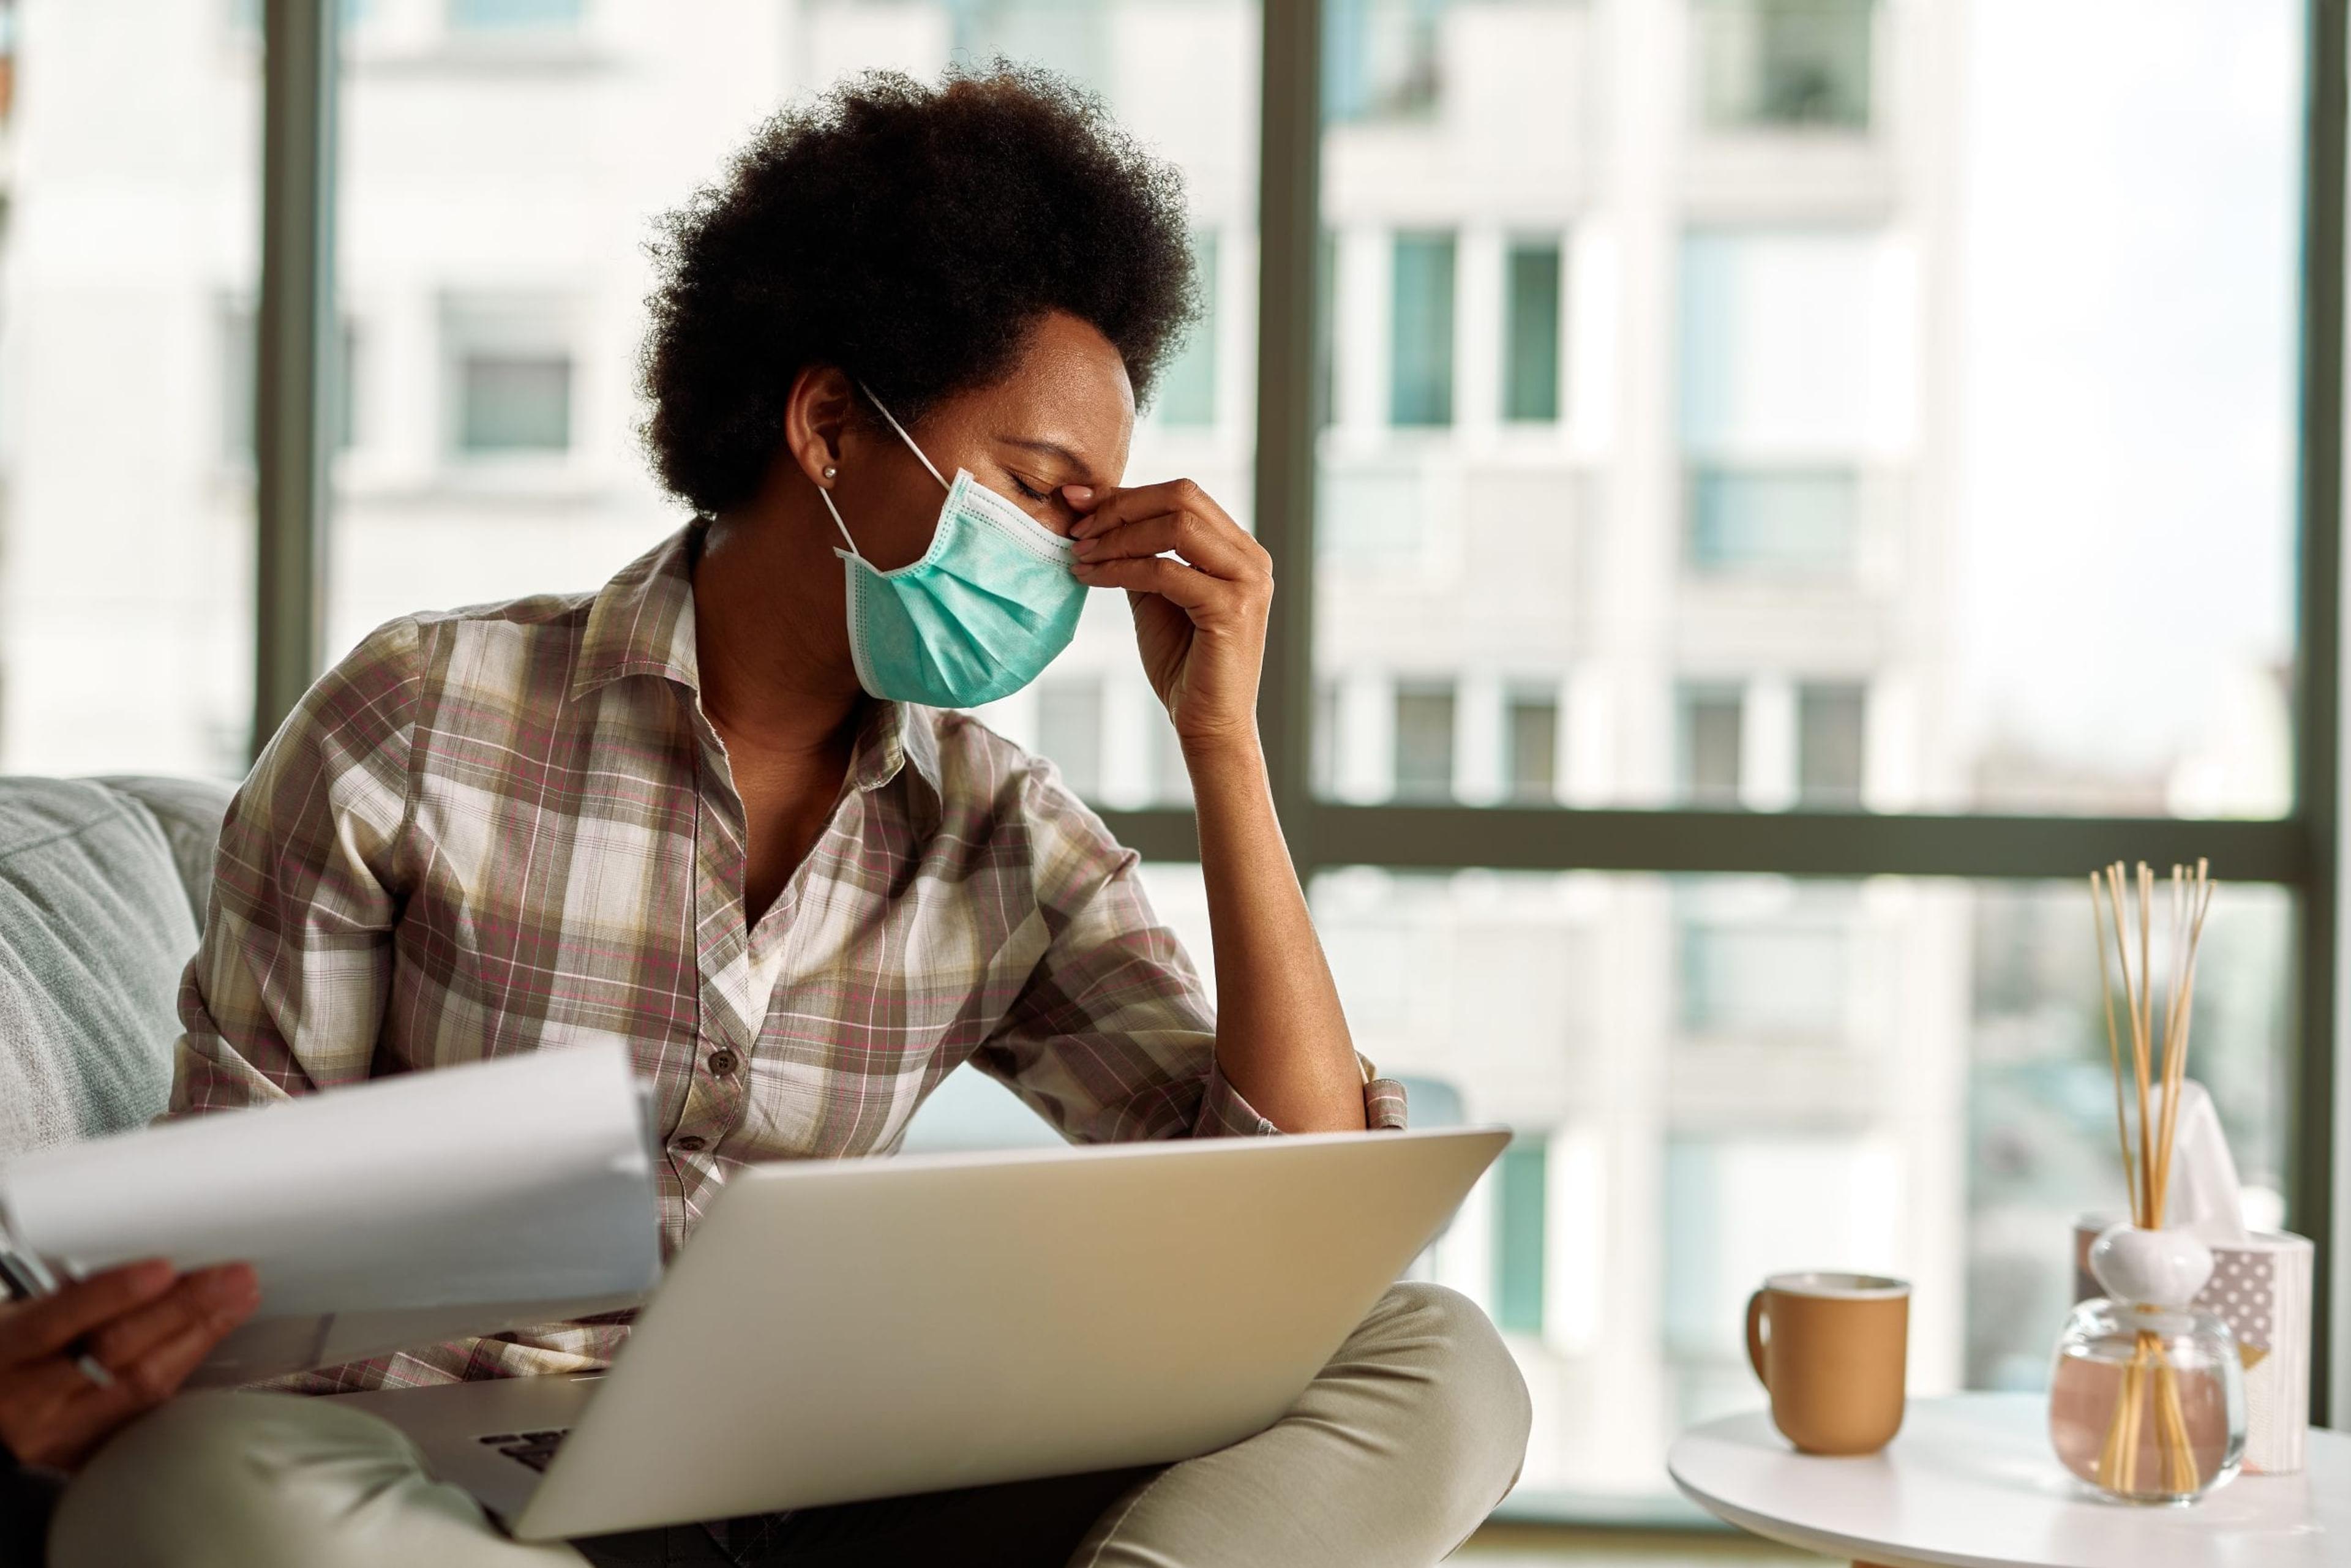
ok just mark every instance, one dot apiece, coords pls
pixel 1047 449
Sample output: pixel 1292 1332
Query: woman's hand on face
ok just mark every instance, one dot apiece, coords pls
pixel 147 1326
pixel 1200 616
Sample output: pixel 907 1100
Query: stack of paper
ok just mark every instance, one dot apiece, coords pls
pixel 400 1212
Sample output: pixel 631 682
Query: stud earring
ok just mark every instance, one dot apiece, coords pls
pixel 829 471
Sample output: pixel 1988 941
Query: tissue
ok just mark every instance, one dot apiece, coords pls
pixel 2202 1197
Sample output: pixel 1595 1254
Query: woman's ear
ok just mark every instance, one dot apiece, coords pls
pixel 816 416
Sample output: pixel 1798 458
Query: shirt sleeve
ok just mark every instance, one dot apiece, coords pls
pixel 1112 1039
pixel 286 991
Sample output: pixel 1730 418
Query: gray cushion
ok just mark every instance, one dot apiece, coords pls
pixel 94 929
pixel 189 811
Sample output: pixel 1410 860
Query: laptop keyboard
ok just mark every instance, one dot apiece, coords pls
pixel 532 1448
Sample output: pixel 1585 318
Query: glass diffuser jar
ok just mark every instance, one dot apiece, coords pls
pixel 2188 1371
pixel 2147 1395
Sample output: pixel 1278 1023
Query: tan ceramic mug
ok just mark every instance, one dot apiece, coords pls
pixel 1831 1349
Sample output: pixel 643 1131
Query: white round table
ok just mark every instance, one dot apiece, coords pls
pixel 1971 1483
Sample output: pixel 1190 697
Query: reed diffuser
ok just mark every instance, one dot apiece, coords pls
pixel 2146 1398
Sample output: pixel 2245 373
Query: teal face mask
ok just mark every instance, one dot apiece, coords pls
pixel 979 617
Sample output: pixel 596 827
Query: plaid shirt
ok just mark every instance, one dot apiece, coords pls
pixel 512 829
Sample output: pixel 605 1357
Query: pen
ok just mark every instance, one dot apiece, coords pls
pixel 29 1279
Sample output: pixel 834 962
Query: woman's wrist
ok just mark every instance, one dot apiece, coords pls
pixel 1236 756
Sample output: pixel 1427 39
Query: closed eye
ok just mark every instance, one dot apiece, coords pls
pixel 1023 487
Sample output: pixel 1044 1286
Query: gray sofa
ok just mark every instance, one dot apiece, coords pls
pixel 102 891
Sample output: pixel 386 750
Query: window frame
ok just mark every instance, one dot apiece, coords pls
pixel 2302 852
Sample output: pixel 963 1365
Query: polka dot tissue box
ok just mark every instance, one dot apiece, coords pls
pixel 2260 1288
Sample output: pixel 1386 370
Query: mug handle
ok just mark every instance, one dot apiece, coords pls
pixel 1755 1321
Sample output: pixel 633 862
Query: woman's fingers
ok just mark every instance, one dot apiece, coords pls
pixel 155 1371
pixel 1222 551
pixel 211 1300
pixel 42 1327
pixel 1200 588
pixel 1172 579
pixel 1102 510
pixel 1177 516
pixel 51 1415
pixel 51 1411
pixel 1106 508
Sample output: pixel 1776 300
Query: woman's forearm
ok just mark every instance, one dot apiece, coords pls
pixel 1282 1038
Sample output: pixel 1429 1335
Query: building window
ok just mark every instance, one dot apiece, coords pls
pixel 511 375
pixel 1794 349
pixel 1531 733
pixel 1531 350
pixel 1520 1177
pixel 1423 741
pixel 1773 64
pixel 1188 394
pixel 497 16
pixel 1069 730
pixel 1379 60
pixel 1711 726
pixel 1796 521
pixel 509 401
pixel 1830 721
pixel 1785 980
pixel 1420 347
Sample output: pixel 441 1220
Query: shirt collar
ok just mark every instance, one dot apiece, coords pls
pixel 897 733
pixel 641 623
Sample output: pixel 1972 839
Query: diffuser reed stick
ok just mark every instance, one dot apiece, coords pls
pixel 2149 1404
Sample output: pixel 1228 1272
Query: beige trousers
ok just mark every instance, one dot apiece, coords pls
pixel 1393 1454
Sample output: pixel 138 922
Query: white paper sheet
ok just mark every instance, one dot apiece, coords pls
pixel 397 1212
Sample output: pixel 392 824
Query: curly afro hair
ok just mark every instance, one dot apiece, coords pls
pixel 913 236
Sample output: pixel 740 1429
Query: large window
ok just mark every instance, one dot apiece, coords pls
pixel 1886 426
pixel 1712 1077
pixel 1847 441
pixel 129 263
pixel 1763 498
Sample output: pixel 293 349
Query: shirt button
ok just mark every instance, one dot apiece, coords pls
pixel 690 1144
pixel 722 1062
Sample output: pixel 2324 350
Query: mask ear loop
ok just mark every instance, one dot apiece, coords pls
pixel 901 429
pixel 826 496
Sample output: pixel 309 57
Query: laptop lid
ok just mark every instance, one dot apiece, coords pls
pixel 849 1329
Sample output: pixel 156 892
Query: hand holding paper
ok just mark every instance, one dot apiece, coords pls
pixel 385 1215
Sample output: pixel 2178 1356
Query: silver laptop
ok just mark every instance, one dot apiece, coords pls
pixel 840 1330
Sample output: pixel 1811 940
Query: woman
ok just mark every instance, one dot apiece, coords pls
pixel 724 811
